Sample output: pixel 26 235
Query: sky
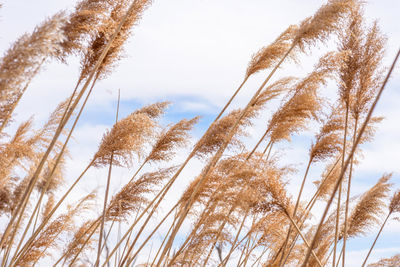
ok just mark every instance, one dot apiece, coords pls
pixel 195 53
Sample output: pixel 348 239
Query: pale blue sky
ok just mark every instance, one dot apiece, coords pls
pixel 194 53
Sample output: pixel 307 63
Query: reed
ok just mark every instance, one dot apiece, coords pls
pixel 237 210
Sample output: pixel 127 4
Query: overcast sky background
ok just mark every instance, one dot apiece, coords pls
pixel 195 53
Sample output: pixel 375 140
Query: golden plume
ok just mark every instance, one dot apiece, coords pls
pixel 128 137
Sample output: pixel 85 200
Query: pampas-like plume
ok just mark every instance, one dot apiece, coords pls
pixel 176 136
pixel 23 60
pixel 270 55
pixel 328 19
pixel 82 24
pixel 368 209
pixel 100 40
pixel 23 149
pixel 395 203
pixel 303 104
pixel 15 151
pixel 128 136
pixel 216 135
pixel 370 71
pixel 43 136
pixel 291 117
pixel 48 236
pixel 273 228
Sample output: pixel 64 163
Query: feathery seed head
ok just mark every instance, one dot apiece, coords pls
pixel 23 60
pixel 176 136
pixel 128 136
pixel 268 56
pixel 370 206
pixel 327 20
pixel 132 197
pixel 328 140
pixel 395 203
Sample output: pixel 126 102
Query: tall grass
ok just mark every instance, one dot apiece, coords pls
pixel 238 206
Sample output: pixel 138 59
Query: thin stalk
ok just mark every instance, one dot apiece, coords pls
pixel 340 187
pixel 118 255
pixel 107 235
pixel 246 248
pixel 162 243
pixel 206 212
pixel 348 199
pixel 149 237
pixel 249 251
pixel 104 212
pixel 103 217
pixel 308 209
pixel 36 219
pixel 259 258
pixel 225 261
pixel 258 143
pixel 376 238
pixel 232 97
pixel 121 256
pixel 269 151
pixel 84 244
pixel 354 147
pixel 340 257
pixel 302 236
pixel 158 197
pixel 62 256
pixel 295 209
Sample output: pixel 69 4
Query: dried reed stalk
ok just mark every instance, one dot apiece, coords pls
pixel 353 149
pixel 393 207
pixel 106 192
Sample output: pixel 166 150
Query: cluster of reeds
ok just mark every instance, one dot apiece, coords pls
pixel 238 206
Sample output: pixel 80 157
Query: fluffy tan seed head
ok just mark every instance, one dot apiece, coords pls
pixel 370 206
pixel 134 195
pixel 104 33
pixel 176 136
pixel 395 203
pixel 268 56
pixel 327 20
pixel 370 72
pixel 23 60
pixel 128 137
pixel 82 24
pixel 328 140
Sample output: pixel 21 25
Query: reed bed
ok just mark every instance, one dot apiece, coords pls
pixel 237 211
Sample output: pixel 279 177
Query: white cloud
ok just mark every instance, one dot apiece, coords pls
pixel 199 50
